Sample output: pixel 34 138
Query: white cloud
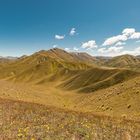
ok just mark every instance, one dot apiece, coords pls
pixel 72 32
pixel 128 31
pixel 114 51
pixel 72 49
pixel 59 37
pixel 120 43
pixel 135 52
pixel 131 33
pixel 75 49
pixel 111 50
pixel 135 35
pixel 102 50
pixel 55 46
pixel 67 49
pixel 115 39
pixel 89 45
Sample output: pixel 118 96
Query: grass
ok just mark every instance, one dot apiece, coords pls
pixel 97 78
pixel 113 101
pixel 22 120
pixel 55 95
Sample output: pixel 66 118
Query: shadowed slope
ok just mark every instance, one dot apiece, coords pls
pixel 97 78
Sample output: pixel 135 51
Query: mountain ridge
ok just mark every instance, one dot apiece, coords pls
pixel 74 71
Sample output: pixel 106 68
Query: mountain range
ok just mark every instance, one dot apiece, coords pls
pixel 79 74
pixel 83 71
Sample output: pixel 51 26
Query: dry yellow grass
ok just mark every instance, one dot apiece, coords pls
pixel 24 120
pixel 63 83
pixel 118 100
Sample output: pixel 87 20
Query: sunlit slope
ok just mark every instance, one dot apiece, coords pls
pixel 120 100
pixel 97 78
pixel 40 65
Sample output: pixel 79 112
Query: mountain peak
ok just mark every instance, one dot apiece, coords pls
pixel 57 50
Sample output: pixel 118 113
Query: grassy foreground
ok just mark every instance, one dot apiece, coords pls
pixel 28 121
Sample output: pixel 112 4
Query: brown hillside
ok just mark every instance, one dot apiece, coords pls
pixel 123 61
pixel 41 65
pixel 97 78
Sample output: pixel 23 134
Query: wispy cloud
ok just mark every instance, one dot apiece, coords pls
pixel 67 49
pixel 120 44
pixel 72 32
pixel 138 41
pixel 59 37
pixel 74 49
pixel 55 46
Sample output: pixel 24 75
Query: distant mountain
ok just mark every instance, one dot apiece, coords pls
pixel 12 58
pixel 123 61
pixel 103 58
pixel 8 57
pixel 6 60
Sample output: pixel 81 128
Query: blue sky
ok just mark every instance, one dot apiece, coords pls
pixel 27 26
